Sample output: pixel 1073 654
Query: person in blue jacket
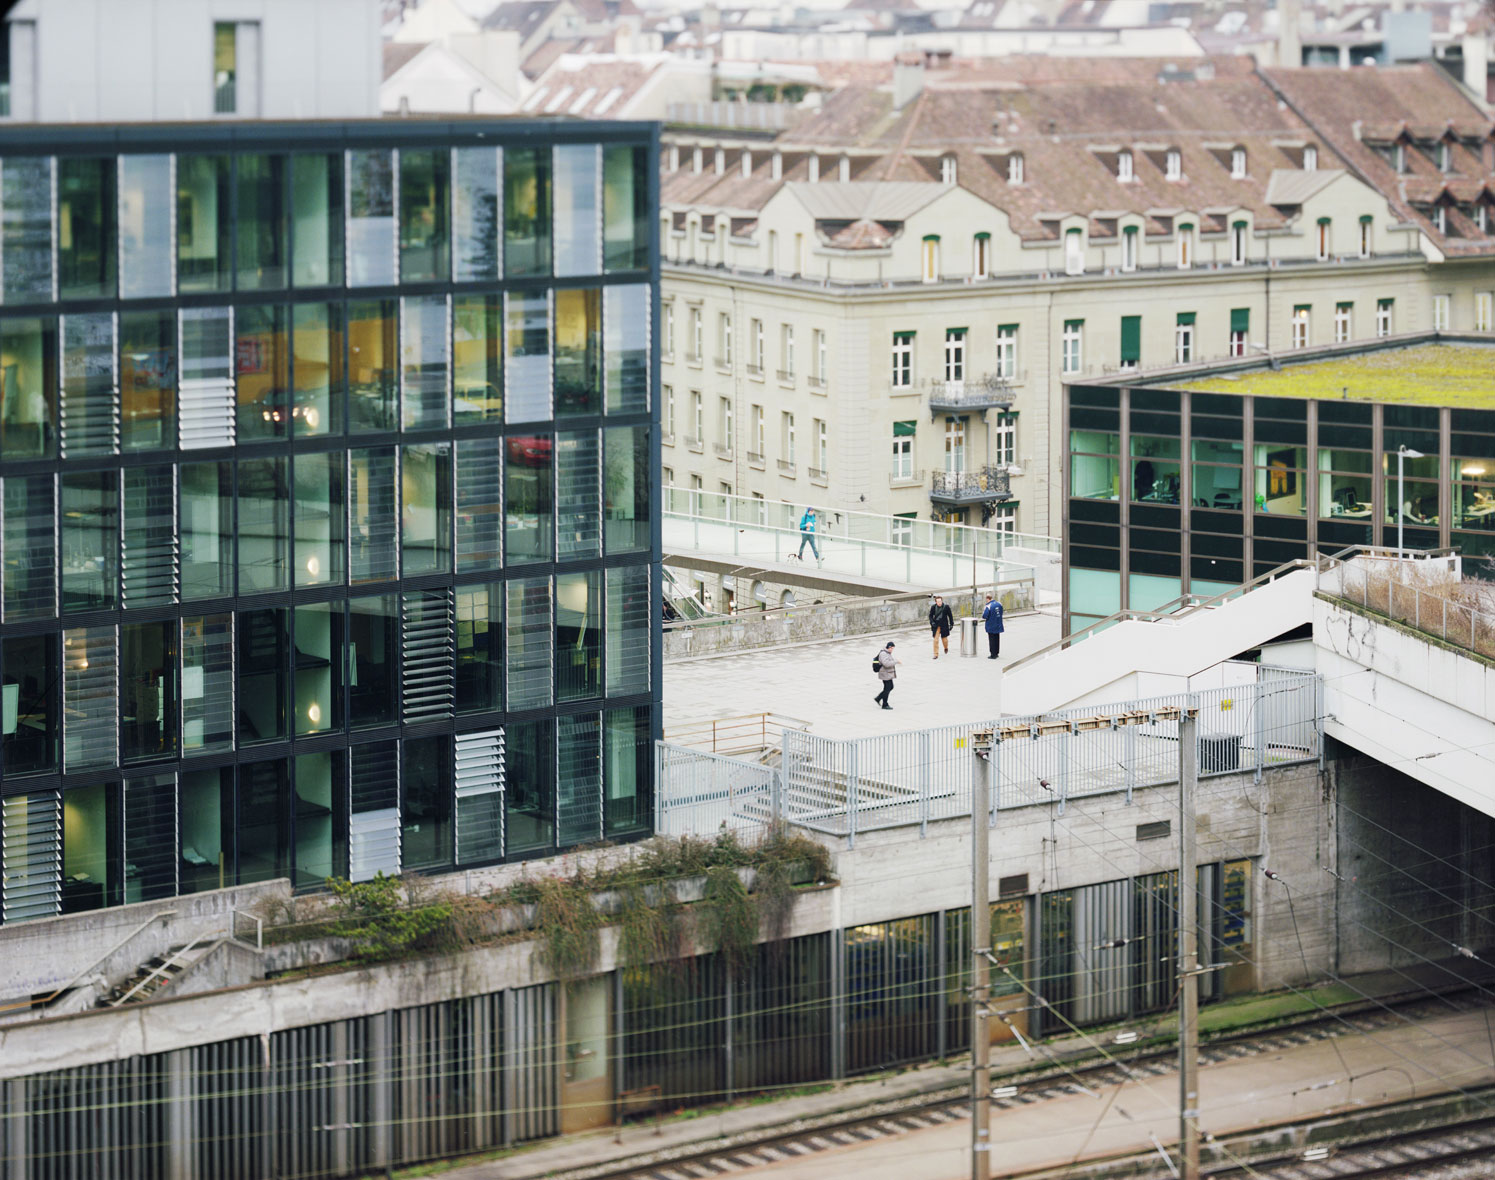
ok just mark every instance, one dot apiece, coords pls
pixel 991 614
pixel 807 535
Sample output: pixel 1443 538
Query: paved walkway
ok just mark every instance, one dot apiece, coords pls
pixel 832 684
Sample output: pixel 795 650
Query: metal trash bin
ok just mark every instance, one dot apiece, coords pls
pixel 970 628
pixel 1219 752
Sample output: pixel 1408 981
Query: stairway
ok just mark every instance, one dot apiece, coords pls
pixel 155 975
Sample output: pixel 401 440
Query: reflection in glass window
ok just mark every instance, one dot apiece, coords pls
pixel 147 691
pixel 371 218
pixel 148 567
pixel 90 698
pixel 87 214
pixel 629 622
pixel 578 352
pixel 529 795
pixel 261 363
pixel 317 220
pixel 1281 481
pixel 477 359
pixel 578 219
pixel 321 818
pixel 426 512
pixel 90 393
pixel 371 500
pixel 262 222
pixel 579 778
pixel 578 636
pixel 319 519
pixel 29 740
pixel 625 488
pixel 90 539
pixel 145 246
pixel 203 223
pixel 317 368
pixel 527 355
pixel 477 174
pixel 89 855
pixel 318 656
pixel 480 648
pixel 147 379
pixel 207 683
pixel 425 361
pixel 264 521
pixel 30 565
pixel 28 387
pixel 625 320
pixel 373 657
pixel 424 233
pixel 264 821
pixel 208 409
pixel 1155 469
pixel 207 829
pixel 373 375
pixel 529 497
pixel 425 802
pixel 529 642
pixel 26 229
pixel 263 648
pixel 578 495
pixel 625 207
pixel 628 762
pixel 526 209
pixel 479 510
pixel 206 508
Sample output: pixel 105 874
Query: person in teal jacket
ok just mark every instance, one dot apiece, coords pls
pixel 807 536
pixel 991 614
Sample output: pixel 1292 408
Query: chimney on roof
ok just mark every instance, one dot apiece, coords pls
pixel 908 79
pixel 1477 64
pixel 1289 39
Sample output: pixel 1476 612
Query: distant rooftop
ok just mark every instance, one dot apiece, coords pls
pixel 1437 374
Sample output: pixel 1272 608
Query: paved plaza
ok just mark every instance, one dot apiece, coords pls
pixel 831 684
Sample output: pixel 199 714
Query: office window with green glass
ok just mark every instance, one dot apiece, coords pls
pixel 1094 465
pixel 26 229
pixel 264 525
pixel 1346 480
pixel 207 683
pixel 627 754
pixel 30 566
pixel 148 699
pixel 627 628
pixel 1155 469
pixel 1416 490
pixel 529 498
pixel 206 830
pixel 425 362
pixel 28 743
pixel 476 178
pixel 316 219
pixel 480 648
pixel 90 540
pixel 371 218
pixel 373 660
pixel 90 852
pixel 28 387
pixel 318 660
pixel 145 245
pixel 529 781
pixel 147 379
pixel 205 508
pixel 321 817
pixel 578 352
pixel 264 821
pixel 578 636
pixel 426 514
pixel 426 802
pixel 262 222
pixel 578 494
pixel 477 359
pixel 526 209
pixel 425 235
pixel 261 661
pixel 204 223
pixel 625 488
pixel 320 514
pixel 262 364
pixel 148 564
pixel 89 418
pixel 625 208
pixel 372 552
pixel 577 212
pixel 625 326
pixel 479 504
pixel 317 368
pixel 373 367
pixel 529 645
pixel 1471 471
pixel 87 219
pixel 1217 473
pixel 1281 484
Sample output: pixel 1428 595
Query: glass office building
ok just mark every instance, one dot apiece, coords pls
pixel 325 453
pixel 1176 487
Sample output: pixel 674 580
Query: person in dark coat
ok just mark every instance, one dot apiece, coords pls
pixel 991 615
pixel 887 672
pixel 940 622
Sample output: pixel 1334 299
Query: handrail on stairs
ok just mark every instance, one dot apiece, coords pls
pixel 167 960
pixel 92 967
pixel 1187 604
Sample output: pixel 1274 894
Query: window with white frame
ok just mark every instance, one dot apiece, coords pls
pixel 947 169
pixel 1071 345
pixel 1384 309
pixel 697 416
pixel 1324 239
pixel 1310 159
pixel 1129 237
pixel 667 331
pixel 903 359
pixel 755 362
pixel 1399 158
pixel 955 445
pixel 758 433
pixel 669 409
pixel 822 446
pixel 1004 440
pixel 760 507
pixel 235 74
pixel 1074 252
pixel 1344 322
pixel 931 259
pixel 801 259
pixel 1440 312
pixel 1300 325
pixel 1366 225
pixel 1240 329
pixel 903 528
pixel 1173 165
pixel 1125 168
pixel 786 351
pixel 1445 157
pixel 955 355
pixel 786 437
pixel 724 339
pixel 724 422
pixel 1185 245
pixel 1183 338
pixel 1484 311
pixel 981 256
pixel 822 356
pixel 1440 218
pixel 667 476
pixel 1238 163
pixel 903 449
pixel 1007 351
pixel 1238 231
pixel 697 334
pixel 1482 217
pixel 1003 519
pixel 773 251
pixel 1015 168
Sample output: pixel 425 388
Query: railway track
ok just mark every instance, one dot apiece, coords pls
pixel 1462 1152
pixel 892 1119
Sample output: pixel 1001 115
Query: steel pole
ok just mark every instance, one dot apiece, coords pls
pixel 980 970
pixel 1188 962
pixel 1401 467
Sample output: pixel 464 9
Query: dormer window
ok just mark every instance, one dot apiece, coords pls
pixel 1124 168
pixel 1129 238
pixel 1399 158
pixel 1015 168
pixel 1074 252
pixel 1366 223
pixel 1237 163
pixel 947 169
pixel 1238 232
pixel 674 158
pixel 1310 159
pixel 1440 218
pixel 843 171
pixel 777 166
pixel 695 160
pixel 1185 246
pixel 1482 218
pixel 720 161
pixel 981 255
pixel 747 164
pixel 931 258
pixel 1325 239
pixel 814 166
pixel 1445 157
pixel 1173 167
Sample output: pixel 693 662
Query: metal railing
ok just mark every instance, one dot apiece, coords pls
pixel 966 487
pixel 1402 591
pixel 978 393
pixel 743 734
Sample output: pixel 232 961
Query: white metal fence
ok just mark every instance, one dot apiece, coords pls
pixel 842 787
pixel 1430 595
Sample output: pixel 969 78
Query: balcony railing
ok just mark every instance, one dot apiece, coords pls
pixel 724 363
pixel 819 475
pixel 970 487
pixel 788 466
pixel 816 382
pixel 724 450
pixel 754 370
pixel 755 458
pixel 981 393
pixel 694 443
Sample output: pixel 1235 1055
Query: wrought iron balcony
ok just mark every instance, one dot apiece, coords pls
pixel 970 487
pixel 981 393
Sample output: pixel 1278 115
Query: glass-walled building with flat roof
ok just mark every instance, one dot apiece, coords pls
pixel 1192 483
pixel 327 543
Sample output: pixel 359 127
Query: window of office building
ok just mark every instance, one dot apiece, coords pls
pixel 1095 465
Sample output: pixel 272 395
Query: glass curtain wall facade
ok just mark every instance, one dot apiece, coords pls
pixel 327 546
pixel 1173 492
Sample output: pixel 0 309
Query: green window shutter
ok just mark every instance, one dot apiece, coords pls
pixel 1323 221
pixel 903 335
pixel 904 429
pixel 1385 302
pixel 1131 339
pixel 1074 323
pixel 1343 306
pixel 1297 307
pixel 982 234
pixel 1366 217
pixel 1186 317
pixel 1240 319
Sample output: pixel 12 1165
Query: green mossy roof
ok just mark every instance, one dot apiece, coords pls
pixel 1427 374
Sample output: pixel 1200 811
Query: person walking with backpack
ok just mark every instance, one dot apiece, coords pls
pixel 886 668
pixel 940 623
pixel 807 536
pixel 991 614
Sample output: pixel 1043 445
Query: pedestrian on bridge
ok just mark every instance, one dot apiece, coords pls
pixel 887 671
pixel 807 536
pixel 940 623
pixel 991 615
